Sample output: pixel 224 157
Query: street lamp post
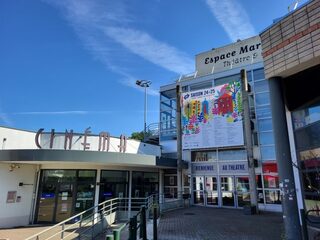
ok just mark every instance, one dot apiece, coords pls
pixel 145 84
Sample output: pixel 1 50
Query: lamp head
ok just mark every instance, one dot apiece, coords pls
pixel 143 83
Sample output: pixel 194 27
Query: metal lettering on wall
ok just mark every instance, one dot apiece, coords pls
pixel 234 55
pixel 104 140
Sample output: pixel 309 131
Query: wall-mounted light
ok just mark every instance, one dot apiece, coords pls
pixel 13 166
pixel 24 184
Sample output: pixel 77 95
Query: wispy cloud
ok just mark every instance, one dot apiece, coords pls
pixel 5 119
pixel 153 50
pixel 52 113
pixel 4 116
pixel 233 18
pixel 108 31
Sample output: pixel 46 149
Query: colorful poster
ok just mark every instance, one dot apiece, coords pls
pixel 212 117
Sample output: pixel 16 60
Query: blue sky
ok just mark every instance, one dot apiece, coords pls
pixel 73 64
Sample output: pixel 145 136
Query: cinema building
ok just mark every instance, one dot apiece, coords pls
pixel 47 177
pixel 212 129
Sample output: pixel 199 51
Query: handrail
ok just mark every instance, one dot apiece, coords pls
pixel 73 217
pixel 308 215
pixel 90 218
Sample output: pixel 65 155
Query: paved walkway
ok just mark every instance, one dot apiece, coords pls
pixel 215 223
pixel 196 223
pixel 20 233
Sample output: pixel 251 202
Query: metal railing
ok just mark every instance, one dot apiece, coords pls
pixel 313 216
pixel 138 222
pixel 153 129
pixel 176 200
pixel 93 221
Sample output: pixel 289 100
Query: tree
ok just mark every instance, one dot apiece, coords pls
pixel 137 136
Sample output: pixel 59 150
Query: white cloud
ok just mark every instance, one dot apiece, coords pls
pixel 5 119
pixel 159 53
pixel 233 18
pixel 4 116
pixel 52 113
pixel 102 24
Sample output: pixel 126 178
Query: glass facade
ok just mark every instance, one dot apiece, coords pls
pixel 268 181
pixel 113 184
pixel 63 193
pixel 168 115
pixel 262 131
pixel 144 184
pixel 306 124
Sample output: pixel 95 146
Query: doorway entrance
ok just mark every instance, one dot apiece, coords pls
pixel 63 193
pixel 56 200
pixel 205 191
pixel 234 191
pixel 223 191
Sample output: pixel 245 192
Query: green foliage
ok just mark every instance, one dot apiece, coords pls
pixel 137 136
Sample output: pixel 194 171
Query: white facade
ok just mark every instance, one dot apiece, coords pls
pixel 16 139
pixel 18 211
pixel 23 165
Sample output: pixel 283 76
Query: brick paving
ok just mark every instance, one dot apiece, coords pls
pixel 215 223
pixel 196 223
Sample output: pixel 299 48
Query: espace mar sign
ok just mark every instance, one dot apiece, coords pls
pixel 234 55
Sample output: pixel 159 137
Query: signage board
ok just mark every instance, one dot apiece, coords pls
pixel 235 55
pixel 200 168
pixel 212 117
pixel 233 168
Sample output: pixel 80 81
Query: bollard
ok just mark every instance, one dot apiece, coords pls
pixel 116 234
pixel 133 228
pixel 155 226
pixel 143 224
pixel 304 224
pixel 109 237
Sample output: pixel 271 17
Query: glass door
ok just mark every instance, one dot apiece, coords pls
pixel 84 197
pixel 64 202
pixel 47 202
pixel 211 191
pixel 227 191
pixel 243 192
pixel 56 202
pixel 198 191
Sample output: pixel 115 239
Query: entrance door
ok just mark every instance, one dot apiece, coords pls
pixel 205 191
pixel 56 201
pixel 47 202
pixel 243 192
pixel 198 190
pixel 64 202
pixel 84 196
pixel 227 191
pixel 211 191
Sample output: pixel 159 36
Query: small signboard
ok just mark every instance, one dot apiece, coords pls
pixel 11 196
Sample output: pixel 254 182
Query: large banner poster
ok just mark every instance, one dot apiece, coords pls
pixel 212 117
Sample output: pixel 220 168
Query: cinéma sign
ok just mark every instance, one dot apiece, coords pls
pixel 234 55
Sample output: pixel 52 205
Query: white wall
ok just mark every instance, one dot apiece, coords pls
pixel 20 139
pixel 16 139
pixel 169 146
pixel 17 213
